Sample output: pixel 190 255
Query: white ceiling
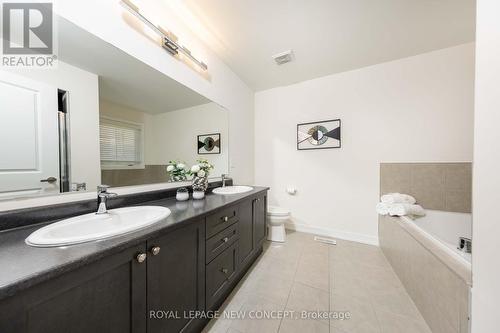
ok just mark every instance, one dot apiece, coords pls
pixel 328 36
pixel 122 78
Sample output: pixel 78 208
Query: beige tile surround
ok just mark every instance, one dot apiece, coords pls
pixel 306 275
pixel 150 174
pixel 438 186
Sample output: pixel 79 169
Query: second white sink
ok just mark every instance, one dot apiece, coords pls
pixel 91 227
pixel 227 190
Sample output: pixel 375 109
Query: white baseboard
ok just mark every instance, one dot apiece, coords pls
pixel 321 231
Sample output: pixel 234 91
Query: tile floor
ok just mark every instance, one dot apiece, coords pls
pixel 304 275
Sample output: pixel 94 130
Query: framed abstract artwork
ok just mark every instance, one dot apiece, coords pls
pixel 318 135
pixel 209 144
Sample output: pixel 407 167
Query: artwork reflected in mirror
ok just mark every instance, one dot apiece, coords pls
pixel 100 117
pixel 209 144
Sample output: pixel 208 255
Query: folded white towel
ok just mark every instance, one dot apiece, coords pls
pixel 392 198
pixel 402 209
pixel 383 208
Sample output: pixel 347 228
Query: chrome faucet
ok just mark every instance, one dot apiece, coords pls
pixel 102 197
pixel 465 244
pixel 224 178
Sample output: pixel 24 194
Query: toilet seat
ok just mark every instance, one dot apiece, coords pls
pixel 277 211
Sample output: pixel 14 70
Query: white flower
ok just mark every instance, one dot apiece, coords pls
pixel 181 166
pixel 195 168
pixel 170 168
pixel 201 173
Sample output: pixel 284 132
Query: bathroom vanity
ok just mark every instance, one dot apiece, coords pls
pixel 159 279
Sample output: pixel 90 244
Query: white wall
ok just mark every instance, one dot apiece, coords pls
pixel 121 112
pixel 486 176
pixel 84 117
pixel 175 136
pixel 172 135
pixel 413 109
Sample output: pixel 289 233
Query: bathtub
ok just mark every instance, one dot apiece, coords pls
pixel 439 232
pixel 437 276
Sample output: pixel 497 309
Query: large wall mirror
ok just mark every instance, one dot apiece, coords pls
pixel 100 117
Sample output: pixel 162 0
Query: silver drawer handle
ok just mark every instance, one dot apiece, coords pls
pixel 225 219
pixel 155 250
pixel 224 270
pixel 141 257
pixel 225 239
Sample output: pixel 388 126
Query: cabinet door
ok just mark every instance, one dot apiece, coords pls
pixel 246 243
pixel 106 296
pixel 259 221
pixel 176 279
pixel 220 275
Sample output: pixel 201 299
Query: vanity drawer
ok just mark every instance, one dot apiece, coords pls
pixel 218 243
pixel 219 274
pixel 219 221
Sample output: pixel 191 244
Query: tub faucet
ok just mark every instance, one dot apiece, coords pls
pixel 465 244
pixel 224 178
pixel 102 197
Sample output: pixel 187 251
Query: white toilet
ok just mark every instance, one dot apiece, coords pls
pixel 276 218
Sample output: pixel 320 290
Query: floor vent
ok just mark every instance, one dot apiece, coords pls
pixel 326 240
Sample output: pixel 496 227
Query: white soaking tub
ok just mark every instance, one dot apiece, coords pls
pixel 440 232
pixel 423 253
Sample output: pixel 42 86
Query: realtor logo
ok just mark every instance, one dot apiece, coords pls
pixel 28 34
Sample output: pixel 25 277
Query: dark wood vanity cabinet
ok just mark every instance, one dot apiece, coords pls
pixel 259 220
pixel 176 280
pixel 156 287
pixel 253 227
pixel 106 296
pixel 246 226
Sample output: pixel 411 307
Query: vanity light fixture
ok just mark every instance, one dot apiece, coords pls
pixel 169 40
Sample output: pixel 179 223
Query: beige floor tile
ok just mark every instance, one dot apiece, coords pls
pixel 282 268
pixel 233 330
pixel 287 253
pixel 380 281
pixel 248 280
pixel 349 285
pixel 271 286
pixel 393 323
pixel 289 325
pixel 336 330
pixel 234 301
pixel 397 302
pixel 306 275
pixel 315 246
pixel 362 316
pixel 313 275
pixel 301 237
pixel 304 297
pixel 253 306
pixel 314 257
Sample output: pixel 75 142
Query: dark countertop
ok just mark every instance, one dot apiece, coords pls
pixel 22 266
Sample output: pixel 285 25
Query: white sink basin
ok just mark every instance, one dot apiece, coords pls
pixel 91 227
pixel 227 190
